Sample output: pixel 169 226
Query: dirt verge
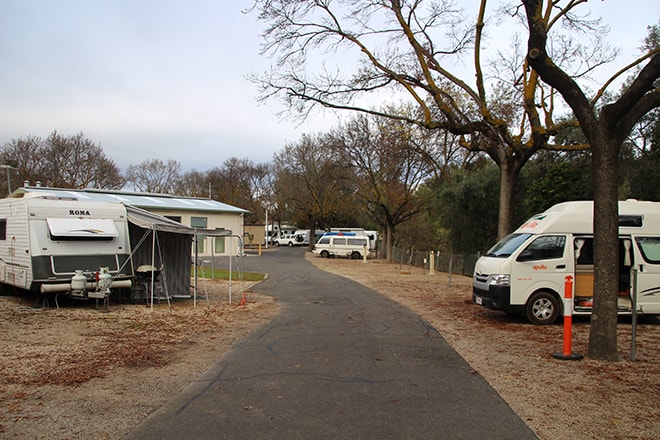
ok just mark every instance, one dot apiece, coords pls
pixel 84 373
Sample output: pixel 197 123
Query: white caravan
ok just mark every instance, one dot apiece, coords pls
pixel 64 246
pixel 525 272
pixel 343 244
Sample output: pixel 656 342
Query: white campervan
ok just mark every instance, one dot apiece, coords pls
pixel 525 272
pixel 346 245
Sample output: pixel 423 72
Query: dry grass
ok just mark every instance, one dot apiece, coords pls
pixel 79 372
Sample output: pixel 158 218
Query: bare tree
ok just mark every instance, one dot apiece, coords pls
pixel 310 182
pixel 154 176
pixel 388 168
pixel 406 50
pixel 25 156
pixel 79 163
pixel 605 127
pixel 62 161
pixel 193 183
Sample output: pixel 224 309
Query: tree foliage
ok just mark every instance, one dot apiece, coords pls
pixel 61 161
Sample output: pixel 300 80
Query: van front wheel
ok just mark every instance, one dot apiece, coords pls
pixel 542 308
pixel 325 254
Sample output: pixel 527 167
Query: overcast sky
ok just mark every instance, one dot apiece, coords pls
pixel 166 78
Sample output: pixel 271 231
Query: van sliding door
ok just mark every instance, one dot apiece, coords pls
pixel 647 251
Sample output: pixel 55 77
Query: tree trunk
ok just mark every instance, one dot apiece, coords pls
pixel 312 237
pixel 603 331
pixel 388 242
pixel 508 178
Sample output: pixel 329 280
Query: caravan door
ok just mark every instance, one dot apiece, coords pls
pixel 647 257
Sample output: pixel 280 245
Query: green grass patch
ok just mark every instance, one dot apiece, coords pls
pixel 223 274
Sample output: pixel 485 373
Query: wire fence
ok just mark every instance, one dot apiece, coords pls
pixel 462 264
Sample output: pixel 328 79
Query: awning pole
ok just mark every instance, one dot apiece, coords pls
pixel 153 262
pixel 231 251
pixel 196 273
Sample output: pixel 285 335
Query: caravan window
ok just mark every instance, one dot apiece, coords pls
pixel 650 248
pixel 63 229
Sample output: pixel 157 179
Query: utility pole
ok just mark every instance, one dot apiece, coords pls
pixel 8 167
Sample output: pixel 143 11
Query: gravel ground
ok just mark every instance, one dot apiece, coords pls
pixel 83 373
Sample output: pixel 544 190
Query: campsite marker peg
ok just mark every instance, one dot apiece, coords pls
pixel 567 353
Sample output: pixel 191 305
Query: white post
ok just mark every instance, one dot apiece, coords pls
pixel 432 264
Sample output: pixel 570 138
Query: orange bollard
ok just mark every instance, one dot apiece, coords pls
pixel 567 353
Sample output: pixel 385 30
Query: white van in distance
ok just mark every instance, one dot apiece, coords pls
pixel 525 271
pixel 342 244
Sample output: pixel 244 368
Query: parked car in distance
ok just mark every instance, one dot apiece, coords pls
pixel 286 240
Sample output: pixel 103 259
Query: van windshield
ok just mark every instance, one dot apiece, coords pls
pixel 508 245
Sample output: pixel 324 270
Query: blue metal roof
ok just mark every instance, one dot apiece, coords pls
pixel 148 201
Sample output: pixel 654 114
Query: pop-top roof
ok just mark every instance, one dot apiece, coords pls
pixel 148 201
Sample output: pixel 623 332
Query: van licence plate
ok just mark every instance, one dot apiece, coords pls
pixel 478 300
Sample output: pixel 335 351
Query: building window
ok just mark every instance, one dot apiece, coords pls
pixel 219 245
pixel 201 239
pixel 199 222
pixel 175 218
pixel 3 229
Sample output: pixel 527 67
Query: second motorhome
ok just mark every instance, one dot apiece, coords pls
pixel 525 272
pixel 342 244
pixel 64 246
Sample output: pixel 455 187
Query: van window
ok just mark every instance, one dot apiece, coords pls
pixel 584 251
pixel 650 248
pixel 506 246
pixel 339 241
pixel 324 240
pixel 357 242
pixel 633 221
pixel 545 247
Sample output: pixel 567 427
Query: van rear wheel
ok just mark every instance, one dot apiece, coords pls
pixel 355 255
pixel 542 308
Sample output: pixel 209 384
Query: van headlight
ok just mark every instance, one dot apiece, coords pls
pixel 500 280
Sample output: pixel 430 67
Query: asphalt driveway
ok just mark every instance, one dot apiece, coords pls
pixel 339 361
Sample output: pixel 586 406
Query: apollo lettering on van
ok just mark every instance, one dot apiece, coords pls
pixel 79 212
pixel 540 267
